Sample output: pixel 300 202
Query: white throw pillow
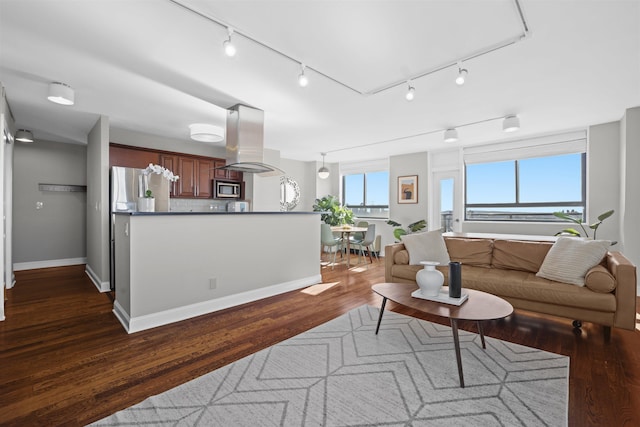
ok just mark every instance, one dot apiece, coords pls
pixel 570 258
pixel 427 246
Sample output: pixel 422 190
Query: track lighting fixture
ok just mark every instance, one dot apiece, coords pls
pixel 229 47
pixel 323 172
pixel 462 75
pixel 25 136
pixel 411 92
pixel 511 123
pixel 61 93
pixel 450 135
pixel 303 80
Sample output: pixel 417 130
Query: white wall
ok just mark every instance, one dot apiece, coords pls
pixel 55 233
pixel 630 185
pixel 98 204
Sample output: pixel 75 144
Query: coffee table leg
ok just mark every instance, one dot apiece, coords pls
pixel 481 332
pixel 384 302
pixel 456 342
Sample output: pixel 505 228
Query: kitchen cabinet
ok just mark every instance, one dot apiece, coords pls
pixel 170 162
pixel 225 174
pixel 130 157
pixel 195 177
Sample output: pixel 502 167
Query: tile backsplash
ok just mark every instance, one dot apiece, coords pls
pixel 197 205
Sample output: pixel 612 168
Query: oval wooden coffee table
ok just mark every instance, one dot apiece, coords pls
pixel 480 306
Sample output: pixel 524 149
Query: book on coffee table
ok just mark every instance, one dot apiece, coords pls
pixel 443 296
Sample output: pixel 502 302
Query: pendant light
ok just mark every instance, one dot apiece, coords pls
pixel 323 172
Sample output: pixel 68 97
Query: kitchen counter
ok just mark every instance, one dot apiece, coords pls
pixel 170 266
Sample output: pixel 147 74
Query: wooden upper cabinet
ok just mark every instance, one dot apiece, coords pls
pixel 187 169
pixel 170 162
pixel 204 183
pixel 131 157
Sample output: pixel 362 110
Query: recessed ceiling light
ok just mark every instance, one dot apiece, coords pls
pixel 61 93
pixel 204 132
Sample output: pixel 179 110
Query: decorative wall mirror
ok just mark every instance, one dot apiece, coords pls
pixel 289 193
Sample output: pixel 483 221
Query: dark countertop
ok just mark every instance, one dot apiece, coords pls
pixel 214 213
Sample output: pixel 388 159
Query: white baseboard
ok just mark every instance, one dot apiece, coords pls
pixel 100 285
pixel 20 266
pixel 140 323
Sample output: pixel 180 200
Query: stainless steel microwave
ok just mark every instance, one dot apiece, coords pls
pixel 227 190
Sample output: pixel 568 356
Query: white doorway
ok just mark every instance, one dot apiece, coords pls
pixel 447 197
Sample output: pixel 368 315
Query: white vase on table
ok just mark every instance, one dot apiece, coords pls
pixel 429 279
pixel 146 204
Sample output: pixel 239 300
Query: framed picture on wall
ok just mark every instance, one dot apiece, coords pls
pixel 408 189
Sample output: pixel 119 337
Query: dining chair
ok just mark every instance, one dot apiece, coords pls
pixel 367 242
pixel 328 240
pixel 360 235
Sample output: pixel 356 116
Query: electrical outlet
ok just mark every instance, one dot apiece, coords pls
pixel 213 283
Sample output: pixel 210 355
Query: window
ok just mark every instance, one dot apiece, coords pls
pixel 367 194
pixel 528 189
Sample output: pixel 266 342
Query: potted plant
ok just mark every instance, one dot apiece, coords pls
pixel 333 213
pixel 576 233
pixel 147 203
pixel 414 227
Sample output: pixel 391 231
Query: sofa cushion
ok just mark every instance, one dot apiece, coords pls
pixel 470 251
pixel 522 285
pixel 570 258
pixel 519 255
pixel 401 257
pixel 427 246
pixel 598 279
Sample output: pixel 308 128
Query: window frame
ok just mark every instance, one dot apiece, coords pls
pixel 364 194
pixel 518 204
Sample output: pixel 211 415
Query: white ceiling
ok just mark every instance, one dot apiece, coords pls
pixel 156 67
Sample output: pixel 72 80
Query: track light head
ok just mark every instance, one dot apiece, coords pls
pixel 462 76
pixel 511 123
pixel 303 80
pixel 411 92
pixel 229 48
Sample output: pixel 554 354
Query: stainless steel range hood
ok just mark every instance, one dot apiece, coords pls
pixel 245 140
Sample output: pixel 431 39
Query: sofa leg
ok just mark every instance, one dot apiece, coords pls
pixel 577 323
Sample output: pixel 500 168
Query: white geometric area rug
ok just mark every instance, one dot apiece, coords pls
pixel 342 374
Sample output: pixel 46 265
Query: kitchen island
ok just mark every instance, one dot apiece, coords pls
pixel 171 266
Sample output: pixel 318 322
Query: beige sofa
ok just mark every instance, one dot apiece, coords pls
pixel 506 268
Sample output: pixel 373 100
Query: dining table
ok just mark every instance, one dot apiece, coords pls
pixel 346 231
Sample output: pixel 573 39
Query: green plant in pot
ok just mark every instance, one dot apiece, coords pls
pixel 148 194
pixel 576 233
pixel 399 231
pixel 333 213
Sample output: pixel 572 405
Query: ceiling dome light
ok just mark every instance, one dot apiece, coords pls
pixel 323 172
pixel 450 135
pixel 462 75
pixel 61 93
pixel 303 80
pixel 411 92
pixel 229 47
pixel 511 123
pixel 25 136
pixel 204 132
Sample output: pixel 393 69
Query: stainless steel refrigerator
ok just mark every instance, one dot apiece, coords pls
pixel 126 186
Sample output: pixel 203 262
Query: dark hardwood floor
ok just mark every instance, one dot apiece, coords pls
pixel 65 359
